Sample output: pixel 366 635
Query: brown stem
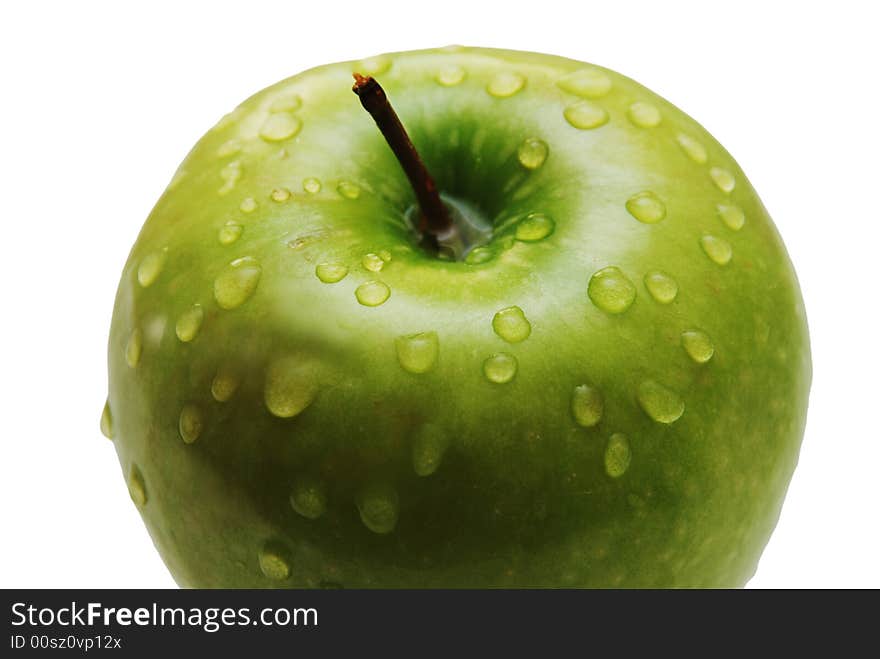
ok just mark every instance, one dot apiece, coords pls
pixel 435 219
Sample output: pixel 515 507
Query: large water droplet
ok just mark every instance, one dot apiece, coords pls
pixel 134 347
pixel 512 325
pixel 372 293
pixel 373 66
pixel 312 185
pixel 308 497
pixel 273 562
pixel 717 249
pixel 280 195
pixel 330 273
pixel 500 368
pixel 611 290
pixel 732 216
pixel 661 286
pixel 417 353
pixel 723 179
pixel 585 115
pixel 151 266
pixel 588 83
pixel 535 227
pixel 644 115
pixel 659 402
pixel 190 424
pixel 248 205
pixel 286 103
pixel 451 75
pixel 618 455
pixel 229 232
pixel 225 384
pixel 532 153
pixel 280 126
pixel 189 323
pixel 349 189
pixel 694 149
pixel 506 84
pixel 290 387
pixel 238 281
pixel 429 446
pixel 479 255
pixel 137 490
pixel 646 207
pixel 107 421
pixel 587 405
pixel 373 262
pixel 229 148
pixel 379 506
pixel 697 345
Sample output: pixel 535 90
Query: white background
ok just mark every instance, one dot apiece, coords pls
pixel 100 101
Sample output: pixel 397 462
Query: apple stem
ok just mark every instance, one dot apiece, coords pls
pixel 435 222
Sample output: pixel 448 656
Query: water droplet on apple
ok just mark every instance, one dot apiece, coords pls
pixel 225 384
pixel 248 205
pixel 732 216
pixel 532 153
pixel 717 249
pixel 280 126
pixel 697 345
pixel 107 421
pixel 308 497
pixel 348 189
pixel 512 325
pixel 500 368
pixel 379 507
pixel 385 255
pixel 646 207
pixel 723 179
pixel 190 424
pixel 238 281
pixel 151 266
pixel 417 353
pixel 312 185
pixel 506 84
pixel 229 148
pixel 611 290
pixel 373 66
pixel 134 347
pixel 588 83
pixel 230 175
pixel 372 293
pixel 450 75
pixel 137 490
pixel 189 323
pixel 290 387
pixel 692 148
pixel 479 255
pixel 659 402
pixel 661 286
pixel 535 227
pixel 280 195
pixel 330 273
pixel 373 262
pixel 273 562
pixel 644 115
pixel 286 103
pixel 585 115
pixel 429 446
pixel 587 405
pixel 618 455
pixel 229 232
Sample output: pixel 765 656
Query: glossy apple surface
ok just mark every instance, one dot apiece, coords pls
pixel 610 392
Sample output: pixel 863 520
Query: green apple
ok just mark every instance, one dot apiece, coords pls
pixel 603 383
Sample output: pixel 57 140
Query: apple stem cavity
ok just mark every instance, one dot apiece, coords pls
pixel 435 223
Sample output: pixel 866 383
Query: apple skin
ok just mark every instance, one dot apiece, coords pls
pixel 444 478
